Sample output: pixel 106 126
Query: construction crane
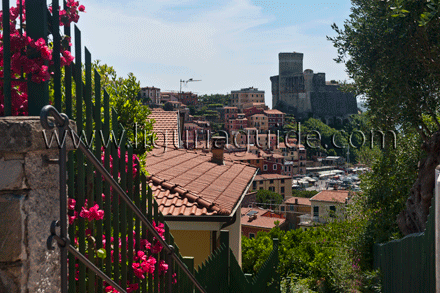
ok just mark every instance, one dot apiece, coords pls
pixel 186 82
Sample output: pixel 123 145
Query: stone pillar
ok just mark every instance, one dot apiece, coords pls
pixel 29 202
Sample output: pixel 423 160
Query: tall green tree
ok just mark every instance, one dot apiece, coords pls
pixel 393 60
pixel 132 113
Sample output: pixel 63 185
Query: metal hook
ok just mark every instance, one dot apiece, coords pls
pixel 61 120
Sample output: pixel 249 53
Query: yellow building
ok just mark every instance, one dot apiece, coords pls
pixel 326 206
pixel 199 194
pixel 258 121
pixel 280 184
pixel 246 97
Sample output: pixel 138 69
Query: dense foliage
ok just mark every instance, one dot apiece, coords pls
pixel 391 50
pixel 321 259
pixel 304 193
pixel 267 198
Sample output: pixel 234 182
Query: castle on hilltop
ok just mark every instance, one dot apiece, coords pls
pixel 306 94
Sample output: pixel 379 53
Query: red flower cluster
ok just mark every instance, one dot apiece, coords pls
pixel 30 58
pixel 134 159
pixel 94 213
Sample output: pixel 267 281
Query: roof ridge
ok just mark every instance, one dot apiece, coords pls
pixel 185 193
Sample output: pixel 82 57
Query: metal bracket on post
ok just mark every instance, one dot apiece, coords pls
pixel 62 123
pixel 436 228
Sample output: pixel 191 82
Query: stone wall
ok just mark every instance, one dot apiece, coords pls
pixel 306 94
pixel 29 202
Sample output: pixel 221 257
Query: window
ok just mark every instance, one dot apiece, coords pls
pixel 274 166
pixel 254 185
pixel 282 189
pixel 282 180
pixel 265 167
pixel 271 181
pixel 316 211
pixel 332 211
pixel 292 207
pixel 271 188
pixel 251 235
pixel 282 208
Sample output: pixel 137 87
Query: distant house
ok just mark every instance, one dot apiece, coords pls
pixel 293 208
pixel 254 220
pixel 280 184
pixel 151 94
pixel 326 206
pixel 332 161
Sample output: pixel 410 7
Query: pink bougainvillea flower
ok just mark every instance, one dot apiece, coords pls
pixel 71 203
pixel 73 218
pixel 163 267
pixel 94 213
pixel 82 8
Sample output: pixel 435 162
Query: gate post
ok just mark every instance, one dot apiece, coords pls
pixel 36 28
pixel 29 202
pixel 437 227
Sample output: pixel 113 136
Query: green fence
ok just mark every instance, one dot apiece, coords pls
pixel 408 264
pixel 222 273
pixel 116 257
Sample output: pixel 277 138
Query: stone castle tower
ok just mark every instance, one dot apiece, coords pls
pixel 307 94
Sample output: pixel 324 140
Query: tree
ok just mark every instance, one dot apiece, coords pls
pixel 268 197
pixel 168 107
pixel 394 63
pixel 132 114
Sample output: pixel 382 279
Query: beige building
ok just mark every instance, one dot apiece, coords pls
pixel 326 206
pixel 295 207
pixel 246 97
pixel 258 121
pixel 152 93
pixel 280 184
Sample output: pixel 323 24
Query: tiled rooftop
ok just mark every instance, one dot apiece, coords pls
pixel 165 126
pixel 300 201
pixel 241 156
pixel 262 220
pixel 273 111
pixel 331 196
pixel 271 176
pixel 188 183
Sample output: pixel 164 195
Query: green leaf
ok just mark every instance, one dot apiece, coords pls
pixel 101 253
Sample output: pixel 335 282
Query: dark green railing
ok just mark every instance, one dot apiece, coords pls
pixel 222 273
pixel 125 196
pixel 408 264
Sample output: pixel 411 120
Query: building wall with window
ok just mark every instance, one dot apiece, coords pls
pixel 151 93
pixel 322 210
pixel 329 204
pixel 258 121
pixel 280 184
pixel 246 97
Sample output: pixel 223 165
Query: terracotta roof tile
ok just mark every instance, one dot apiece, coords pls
pixel 195 185
pixel 261 220
pixel 273 111
pixel 301 201
pixel 331 196
pixel 166 125
pixel 271 176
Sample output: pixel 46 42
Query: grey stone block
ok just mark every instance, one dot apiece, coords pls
pixel 11 228
pixel 12 175
pixel 11 278
pixel 21 134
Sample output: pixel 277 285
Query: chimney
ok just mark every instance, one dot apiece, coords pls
pixel 218 149
pixel 296 201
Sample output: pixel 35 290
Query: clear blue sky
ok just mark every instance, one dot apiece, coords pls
pixel 227 44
